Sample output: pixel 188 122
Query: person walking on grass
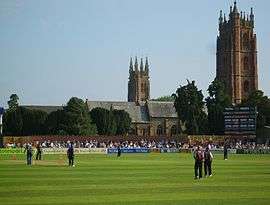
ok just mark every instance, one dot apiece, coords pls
pixel 29 154
pixel 208 157
pixel 70 155
pixel 226 151
pixel 39 151
pixel 198 157
pixel 118 151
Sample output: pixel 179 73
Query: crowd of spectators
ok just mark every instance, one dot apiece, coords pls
pixel 144 143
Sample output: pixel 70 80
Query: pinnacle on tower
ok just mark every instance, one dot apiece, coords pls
pixel 136 64
pixel 141 65
pixel 146 65
pixel 225 20
pixel 220 17
pixel 130 65
pixel 252 16
pixel 251 13
pixel 235 10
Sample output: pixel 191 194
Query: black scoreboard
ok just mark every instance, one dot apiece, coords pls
pixel 240 120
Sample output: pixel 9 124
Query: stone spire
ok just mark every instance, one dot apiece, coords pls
pixel 220 17
pixel 136 64
pixel 146 65
pixel 141 65
pixel 252 17
pixel 130 65
pixel 235 10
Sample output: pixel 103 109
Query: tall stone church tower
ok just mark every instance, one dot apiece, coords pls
pixel 138 84
pixel 237 54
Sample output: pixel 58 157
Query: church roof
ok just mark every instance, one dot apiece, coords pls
pixel 161 109
pixel 45 108
pixel 138 113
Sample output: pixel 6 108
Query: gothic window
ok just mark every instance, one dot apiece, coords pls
pixel 159 130
pixel 246 63
pixel 142 87
pixel 173 130
pixel 224 63
pixel 246 86
pixel 246 41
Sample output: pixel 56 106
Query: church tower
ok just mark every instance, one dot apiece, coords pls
pixel 138 84
pixel 237 54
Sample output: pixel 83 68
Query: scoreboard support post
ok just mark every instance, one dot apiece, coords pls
pixel 1 126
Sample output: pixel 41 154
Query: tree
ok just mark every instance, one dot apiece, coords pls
pixel 13 102
pixel 262 102
pixel 112 127
pixel 77 120
pixel 12 122
pixel 33 121
pixel 189 106
pixel 104 120
pixel 216 102
pixel 123 121
pixel 54 123
pixel 99 116
pixel 167 98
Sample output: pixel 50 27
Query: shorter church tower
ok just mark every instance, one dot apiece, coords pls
pixel 138 84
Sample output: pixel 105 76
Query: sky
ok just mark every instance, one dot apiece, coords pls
pixel 53 50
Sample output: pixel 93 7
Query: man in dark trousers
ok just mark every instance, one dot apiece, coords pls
pixel 118 151
pixel 39 151
pixel 198 156
pixel 70 155
pixel 208 157
pixel 29 153
pixel 225 151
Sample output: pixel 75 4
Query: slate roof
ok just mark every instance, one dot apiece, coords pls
pixel 47 109
pixel 138 113
pixel 161 109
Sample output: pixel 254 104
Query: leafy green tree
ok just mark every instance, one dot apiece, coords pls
pixel 104 120
pixel 99 116
pixel 123 121
pixel 189 106
pixel 12 122
pixel 167 98
pixel 262 102
pixel 13 102
pixel 77 120
pixel 54 123
pixel 112 127
pixel 216 102
pixel 33 121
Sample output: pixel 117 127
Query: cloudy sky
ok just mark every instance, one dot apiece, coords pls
pixel 53 50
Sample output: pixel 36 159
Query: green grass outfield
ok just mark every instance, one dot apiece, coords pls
pixel 135 179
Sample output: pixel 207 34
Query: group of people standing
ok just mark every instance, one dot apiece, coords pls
pixel 29 153
pixel 202 158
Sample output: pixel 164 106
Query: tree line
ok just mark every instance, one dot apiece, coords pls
pixel 205 115
pixel 199 114
pixel 72 119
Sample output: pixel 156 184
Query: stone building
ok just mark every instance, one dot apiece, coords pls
pixel 149 118
pixel 237 54
pixel 138 84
